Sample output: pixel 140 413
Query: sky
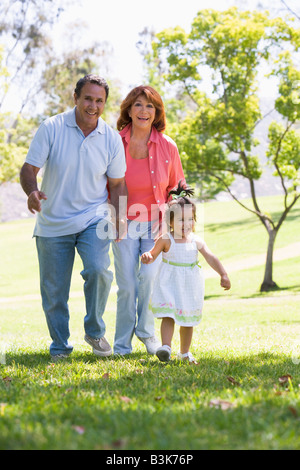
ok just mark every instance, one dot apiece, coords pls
pixel 119 22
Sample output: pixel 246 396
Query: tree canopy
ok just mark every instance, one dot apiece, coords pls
pixel 47 77
pixel 216 135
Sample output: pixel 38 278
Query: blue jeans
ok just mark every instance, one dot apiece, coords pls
pixel 56 259
pixel 135 281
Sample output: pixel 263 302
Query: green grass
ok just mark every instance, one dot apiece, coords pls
pixel 246 282
pixel 233 398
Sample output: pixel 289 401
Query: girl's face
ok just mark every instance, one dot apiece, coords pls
pixel 183 222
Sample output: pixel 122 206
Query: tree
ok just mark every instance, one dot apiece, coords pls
pixel 11 153
pixel 47 77
pixel 24 34
pixel 62 71
pixel 176 101
pixel 25 30
pixel 11 156
pixel 216 138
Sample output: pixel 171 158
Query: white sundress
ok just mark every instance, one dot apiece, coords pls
pixel 178 291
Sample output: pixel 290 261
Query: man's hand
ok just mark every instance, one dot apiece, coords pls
pixel 28 180
pixel 118 199
pixel 34 201
pixel 121 227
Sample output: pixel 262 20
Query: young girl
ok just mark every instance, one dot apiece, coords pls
pixel 178 290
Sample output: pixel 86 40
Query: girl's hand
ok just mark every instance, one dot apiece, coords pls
pixel 147 258
pixel 225 282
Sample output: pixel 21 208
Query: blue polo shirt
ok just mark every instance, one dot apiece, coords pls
pixel 75 171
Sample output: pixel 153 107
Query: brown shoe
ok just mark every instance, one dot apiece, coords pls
pixel 100 346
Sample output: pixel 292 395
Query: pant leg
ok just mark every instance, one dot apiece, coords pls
pixel 94 252
pixel 56 259
pixel 135 282
pixel 147 272
pixel 126 259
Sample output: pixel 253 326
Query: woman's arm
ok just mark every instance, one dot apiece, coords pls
pixel 176 173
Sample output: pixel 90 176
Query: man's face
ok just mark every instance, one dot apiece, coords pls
pixel 90 105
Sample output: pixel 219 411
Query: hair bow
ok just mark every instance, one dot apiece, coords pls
pixel 176 196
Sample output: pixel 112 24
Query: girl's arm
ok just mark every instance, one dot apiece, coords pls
pixel 161 244
pixel 216 264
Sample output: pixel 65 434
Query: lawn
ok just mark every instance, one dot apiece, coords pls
pixel 243 394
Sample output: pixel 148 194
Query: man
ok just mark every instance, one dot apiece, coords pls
pixel 81 156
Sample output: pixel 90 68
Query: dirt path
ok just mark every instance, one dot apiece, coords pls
pixel 280 254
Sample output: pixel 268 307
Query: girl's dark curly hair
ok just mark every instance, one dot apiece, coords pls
pixel 182 191
pixel 180 197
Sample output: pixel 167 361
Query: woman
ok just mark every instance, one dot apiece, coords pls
pixel 153 169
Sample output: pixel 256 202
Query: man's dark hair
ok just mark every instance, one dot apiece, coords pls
pixel 91 78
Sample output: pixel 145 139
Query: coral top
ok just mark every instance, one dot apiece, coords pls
pixel 149 180
pixel 139 185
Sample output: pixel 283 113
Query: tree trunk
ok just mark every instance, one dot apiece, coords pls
pixel 268 283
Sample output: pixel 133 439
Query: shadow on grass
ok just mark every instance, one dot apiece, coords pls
pixel 292 290
pixel 137 402
pixel 213 227
pixel 249 223
pixel 288 290
pixel 43 357
pixel 263 364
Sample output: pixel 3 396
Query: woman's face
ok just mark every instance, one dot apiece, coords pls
pixel 142 113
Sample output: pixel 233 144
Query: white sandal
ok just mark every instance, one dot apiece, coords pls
pixel 187 356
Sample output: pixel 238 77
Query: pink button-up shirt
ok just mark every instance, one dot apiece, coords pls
pixel 164 164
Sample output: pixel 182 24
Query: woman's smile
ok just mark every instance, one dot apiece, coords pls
pixel 142 112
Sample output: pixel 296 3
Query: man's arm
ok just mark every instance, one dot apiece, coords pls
pixel 28 182
pixel 118 199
